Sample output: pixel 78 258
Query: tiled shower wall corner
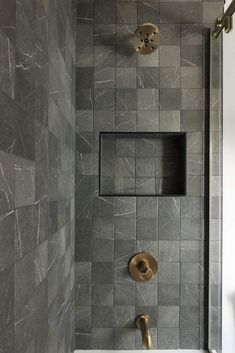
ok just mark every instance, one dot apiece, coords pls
pixel 37 105
pixel 118 90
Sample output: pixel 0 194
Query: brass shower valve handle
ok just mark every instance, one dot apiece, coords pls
pixel 143 267
pixel 146 272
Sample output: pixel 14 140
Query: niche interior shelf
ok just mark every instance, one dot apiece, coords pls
pixel 142 164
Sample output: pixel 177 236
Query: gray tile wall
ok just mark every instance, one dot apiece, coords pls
pixel 118 90
pixel 37 118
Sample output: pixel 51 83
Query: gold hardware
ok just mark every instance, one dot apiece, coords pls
pixel 146 38
pixel 218 27
pixel 228 26
pixel 143 322
pixel 225 22
pixel 143 267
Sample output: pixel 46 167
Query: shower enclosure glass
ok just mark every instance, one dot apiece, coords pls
pixel 215 197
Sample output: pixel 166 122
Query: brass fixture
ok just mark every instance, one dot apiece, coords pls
pixel 143 267
pixel 143 322
pixel 146 38
pixel 228 25
pixel 225 22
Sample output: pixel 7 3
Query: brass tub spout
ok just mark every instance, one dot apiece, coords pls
pixel 142 322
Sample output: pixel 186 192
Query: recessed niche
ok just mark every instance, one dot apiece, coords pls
pixel 142 163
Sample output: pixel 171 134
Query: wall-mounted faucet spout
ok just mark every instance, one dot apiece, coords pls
pixel 142 322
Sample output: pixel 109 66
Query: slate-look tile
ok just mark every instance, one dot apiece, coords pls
pixel 83 294
pixel 147 207
pixel 148 99
pixel 125 56
pixel 169 207
pixel 125 207
pixel 104 56
pixel 23 181
pixel 7 339
pixel 191 12
pixel 147 120
pixel 189 316
pixel 148 11
pixel 25 323
pixel 104 99
pixel 146 295
pixel 26 225
pixel 126 99
pixel 104 35
pixel 169 77
pixel 83 338
pixel 126 13
pixel 104 77
pixel 83 316
pixel 168 337
pixel 189 294
pixel 169 99
pixel 7 182
pixel 147 77
pixel 103 250
pixel 124 338
pixel 102 294
pixel 170 273
pixel 124 249
pixel 168 316
pixel 125 120
pixel 85 13
pixel 170 34
pixel 102 316
pixel 168 294
pixel 169 251
pixel 8 61
pixel 145 186
pixel 103 272
pixel 104 12
pixel 124 291
pixel 102 338
pixel 149 60
pixel 124 316
pixel 103 228
pixel 169 120
pixel 189 337
pixel 146 229
pixel 7 239
pixel 169 56
pixel 170 12
pixel 125 77
pixel 160 92
pixel 7 298
pixel 148 246
pixel 169 229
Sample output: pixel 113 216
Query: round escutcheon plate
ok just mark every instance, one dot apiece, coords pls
pixel 143 267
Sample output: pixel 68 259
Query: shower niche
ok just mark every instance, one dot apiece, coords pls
pixel 142 163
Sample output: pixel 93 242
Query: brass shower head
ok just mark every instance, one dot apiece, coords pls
pixel 146 38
